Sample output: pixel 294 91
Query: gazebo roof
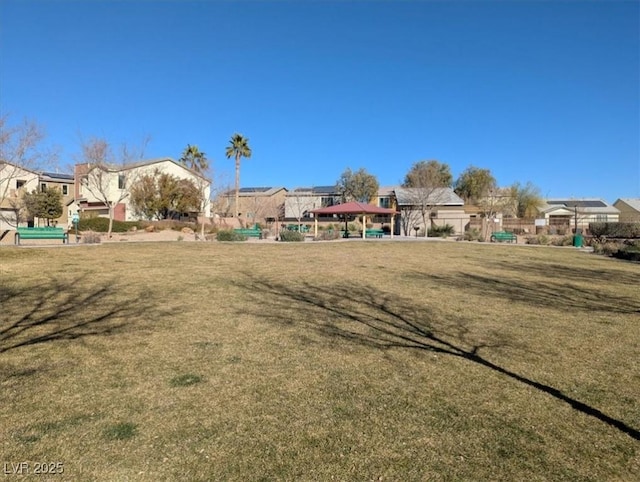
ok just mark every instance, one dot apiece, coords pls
pixel 353 208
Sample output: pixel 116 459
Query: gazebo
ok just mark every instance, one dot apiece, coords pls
pixel 354 208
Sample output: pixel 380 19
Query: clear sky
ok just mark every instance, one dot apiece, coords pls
pixel 541 91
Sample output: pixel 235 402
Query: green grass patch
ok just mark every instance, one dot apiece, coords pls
pixel 185 380
pixel 121 431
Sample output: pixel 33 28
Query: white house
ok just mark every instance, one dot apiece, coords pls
pixel 14 181
pixel 577 213
pixel 95 183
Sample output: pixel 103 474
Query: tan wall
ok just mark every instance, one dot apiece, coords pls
pixel 627 213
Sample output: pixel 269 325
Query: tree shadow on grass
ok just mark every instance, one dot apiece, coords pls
pixel 614 273
pixel 57 310
pixel 369 317
pixel 556 292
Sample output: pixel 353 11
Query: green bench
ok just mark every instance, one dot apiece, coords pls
pixel 41 233
pixel 254 232
pixel 374 233
pixel 501 236
pixel 294 227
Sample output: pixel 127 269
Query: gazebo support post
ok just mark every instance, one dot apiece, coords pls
pixel 315 226
pixel 364 225
pixel 392 227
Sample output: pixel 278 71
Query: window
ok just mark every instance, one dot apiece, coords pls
pixel 601 218
pixel 20 183
pixel 43 187
pixel 384 202
pixel 325 202
pixel 121 181
pixel 65 189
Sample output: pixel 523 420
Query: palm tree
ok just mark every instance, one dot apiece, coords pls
pixel 194 159
pixel 239 148
pixel 197 161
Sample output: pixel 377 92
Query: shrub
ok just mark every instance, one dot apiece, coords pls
pixel 101 225
pixel 91 237
pixel 538 239
pixel 441 231
pixel 608 248
pixel 472 235
pixel 230 235
pixel 327 235
pixel 615 230
pixel 291 236
pixel 562 241
pixel 630 252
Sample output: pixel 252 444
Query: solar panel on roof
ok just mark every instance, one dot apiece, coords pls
pixel 254 189
pixel 590 203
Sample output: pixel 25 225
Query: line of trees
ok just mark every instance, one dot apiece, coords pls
pixel 159 195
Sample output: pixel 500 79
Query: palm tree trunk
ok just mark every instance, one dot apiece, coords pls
pixel 237 183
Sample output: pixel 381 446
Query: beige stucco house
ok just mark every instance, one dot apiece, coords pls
pixel 94 183
pixel 629 209
pixel 255 204
pixel 14 181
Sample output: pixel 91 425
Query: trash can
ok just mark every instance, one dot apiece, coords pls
pixel 578 240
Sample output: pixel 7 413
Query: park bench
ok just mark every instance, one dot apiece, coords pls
pixel 294 227
pixel 501 236
pixel 41 233
pixel 254 232
pixel 374 233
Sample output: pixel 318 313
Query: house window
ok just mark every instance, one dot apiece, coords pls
pixel 43 187
pixel 601 218
pixel 121 181
pixel 384 202
pixel 20 183
pixel 326 201
pixel 65 189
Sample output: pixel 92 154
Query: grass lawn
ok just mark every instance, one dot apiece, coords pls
pixel 320 361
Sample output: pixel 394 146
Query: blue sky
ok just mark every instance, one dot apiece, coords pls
pixel 542 91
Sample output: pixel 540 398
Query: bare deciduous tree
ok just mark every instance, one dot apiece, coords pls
pixel 21 153
pixel 108 175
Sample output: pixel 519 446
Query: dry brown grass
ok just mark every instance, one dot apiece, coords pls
pixel 357 360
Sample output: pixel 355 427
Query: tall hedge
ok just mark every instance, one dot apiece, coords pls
pixel 101 225
pixel 615 230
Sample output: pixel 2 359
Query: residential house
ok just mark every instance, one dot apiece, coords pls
pixel 255 204
pixel 566 214
pixel 421 209
pixel 92 183
pixel 65 183
pixel 14 181
pixel 299 202
pixel 629 209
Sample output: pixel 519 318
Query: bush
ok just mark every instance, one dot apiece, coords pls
pixel 230 235
pixel 441 231
pixel 629 252
pixel 327 235
pixel 90 237
pixel 472 235
pixel 538 239
pixel 615 230
pixel 608 248
pixel 101 225
pixel 291 236
pixel 562 241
